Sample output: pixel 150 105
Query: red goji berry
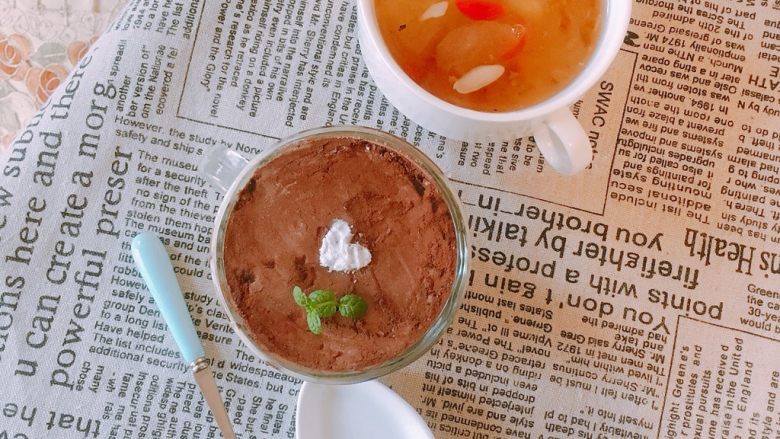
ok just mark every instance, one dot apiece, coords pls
pixel 480 9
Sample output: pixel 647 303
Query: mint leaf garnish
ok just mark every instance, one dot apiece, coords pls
pixel 300 298
pixel 313 320
pixel 352 306
pixel 323 302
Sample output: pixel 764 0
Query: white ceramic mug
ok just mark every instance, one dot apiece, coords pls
pixel 561 139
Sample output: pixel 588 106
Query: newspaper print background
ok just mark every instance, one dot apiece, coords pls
pixel 637 299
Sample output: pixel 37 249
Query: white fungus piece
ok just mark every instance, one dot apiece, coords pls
pixel 478 77
pixel 435 10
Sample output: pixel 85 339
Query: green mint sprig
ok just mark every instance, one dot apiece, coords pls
pixel 321 304
pixel 352 306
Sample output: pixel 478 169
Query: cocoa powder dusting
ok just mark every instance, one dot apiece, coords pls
pixel 272 243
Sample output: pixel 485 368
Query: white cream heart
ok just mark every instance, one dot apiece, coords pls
pixel 338 253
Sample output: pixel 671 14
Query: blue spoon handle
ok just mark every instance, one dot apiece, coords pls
pixel 155 267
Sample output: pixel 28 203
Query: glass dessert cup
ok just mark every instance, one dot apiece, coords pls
pixel 229 172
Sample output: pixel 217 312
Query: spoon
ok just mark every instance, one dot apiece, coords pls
pixel 155 267
pixel 356 411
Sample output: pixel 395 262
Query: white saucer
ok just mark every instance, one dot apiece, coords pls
pixel 357 411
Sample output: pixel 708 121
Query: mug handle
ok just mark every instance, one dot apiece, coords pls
pixel 221 167
pixel 563 142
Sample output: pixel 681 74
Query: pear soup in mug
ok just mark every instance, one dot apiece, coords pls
pixel 491 55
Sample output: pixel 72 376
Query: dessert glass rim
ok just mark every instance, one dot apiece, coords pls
pixel 434 331
pixel 595 66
